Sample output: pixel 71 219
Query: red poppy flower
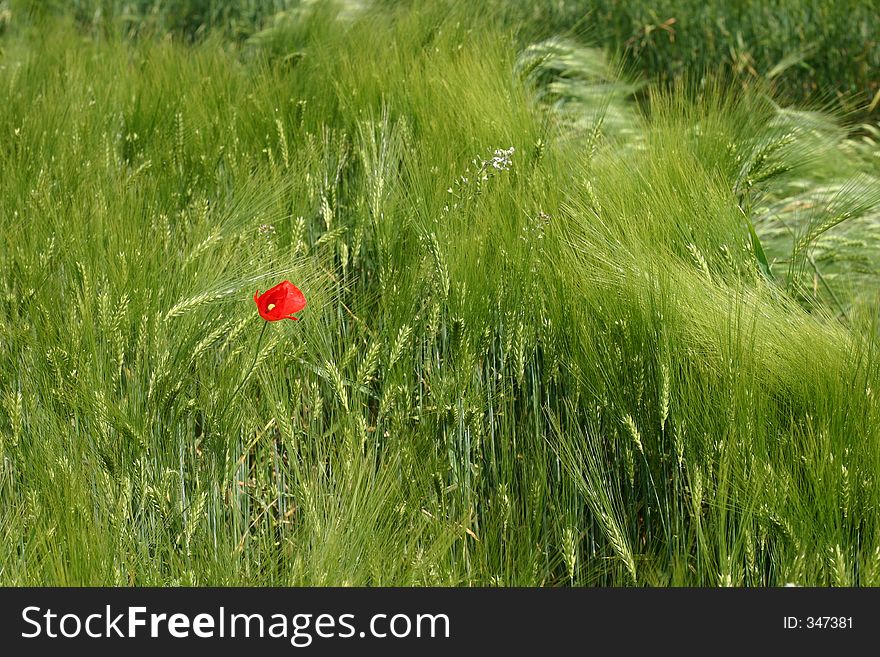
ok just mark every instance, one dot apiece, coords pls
pixel 280 302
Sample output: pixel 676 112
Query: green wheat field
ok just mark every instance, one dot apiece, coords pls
pixel 593 291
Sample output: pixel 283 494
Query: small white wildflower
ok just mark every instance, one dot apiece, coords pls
pixel 501 159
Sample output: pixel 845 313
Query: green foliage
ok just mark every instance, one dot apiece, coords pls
pixel 808 49
pixel 555 335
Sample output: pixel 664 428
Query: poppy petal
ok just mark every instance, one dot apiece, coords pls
pixel 280 302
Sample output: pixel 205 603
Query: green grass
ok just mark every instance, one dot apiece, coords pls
pixel 639 349
pixel 808 49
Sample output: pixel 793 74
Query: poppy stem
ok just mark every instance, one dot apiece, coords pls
pixel 253 364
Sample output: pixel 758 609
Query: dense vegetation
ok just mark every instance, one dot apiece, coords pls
pixel 569 322
pixel 826 49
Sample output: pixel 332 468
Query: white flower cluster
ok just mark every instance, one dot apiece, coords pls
pixel 467 188
pixel 501 159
